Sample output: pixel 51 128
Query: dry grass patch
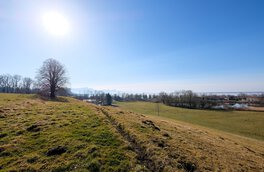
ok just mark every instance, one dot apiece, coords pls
pixel 182 146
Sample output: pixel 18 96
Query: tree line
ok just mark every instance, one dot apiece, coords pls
pixel 15 84
pixel 184 98
pixel 106 98
pixel 98 98
pixel 188 99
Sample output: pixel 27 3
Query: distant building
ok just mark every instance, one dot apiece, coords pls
pixel 90 101
pixel 253 99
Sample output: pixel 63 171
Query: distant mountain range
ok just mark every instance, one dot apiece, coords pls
pixel 87 90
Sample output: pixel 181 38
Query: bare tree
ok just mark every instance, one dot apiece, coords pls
pixel 16 80
pixel 1 83
pixel 51 77
pixel 26 84
pixel 262 99
pixel 15 84
pixel 6 83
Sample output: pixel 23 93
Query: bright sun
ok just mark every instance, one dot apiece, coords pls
pixel 56 23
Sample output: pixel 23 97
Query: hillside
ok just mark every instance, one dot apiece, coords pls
pixel 64 135
pixel 70 135
pixel 244 123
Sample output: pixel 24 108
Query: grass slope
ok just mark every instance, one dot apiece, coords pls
pixel 170 145
pixel 70 135
pixel 30 127
pixel 245 123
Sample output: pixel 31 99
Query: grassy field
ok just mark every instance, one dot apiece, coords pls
pixel 71 135
pixel 245 123
pixel 172 146
pixel 63 135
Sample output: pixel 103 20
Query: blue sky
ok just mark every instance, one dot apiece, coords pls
pixel 140 45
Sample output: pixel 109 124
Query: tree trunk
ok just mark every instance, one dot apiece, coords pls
pixel 52 92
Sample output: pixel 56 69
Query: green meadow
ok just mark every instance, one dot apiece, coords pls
pixel 61 135
pixel 70 135
pixel 244 123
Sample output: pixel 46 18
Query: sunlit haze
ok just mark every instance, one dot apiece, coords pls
pixel 56 23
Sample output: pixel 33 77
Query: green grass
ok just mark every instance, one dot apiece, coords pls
pixel 245 123
pixel 91 143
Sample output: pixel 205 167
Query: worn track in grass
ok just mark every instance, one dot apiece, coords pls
pixel 142 155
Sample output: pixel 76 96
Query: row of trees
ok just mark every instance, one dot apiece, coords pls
pixel 15 84
pixel 182 99
pixel 190 99
pixel 99 98
pixel 134 97
pixel 187 99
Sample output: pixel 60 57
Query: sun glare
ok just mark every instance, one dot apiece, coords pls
pixel 56 23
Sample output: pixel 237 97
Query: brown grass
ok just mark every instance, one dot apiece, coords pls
pixel 177 144
pixel 110 139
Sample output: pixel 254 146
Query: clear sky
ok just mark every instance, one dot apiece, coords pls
pixel 140 45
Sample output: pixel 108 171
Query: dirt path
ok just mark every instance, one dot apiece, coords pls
pixel 141 152
pixel 146 155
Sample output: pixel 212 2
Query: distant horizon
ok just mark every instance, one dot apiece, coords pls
pixel 85 90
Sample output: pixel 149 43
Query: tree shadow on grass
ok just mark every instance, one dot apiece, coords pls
pixel 56 99
pixel 59 99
